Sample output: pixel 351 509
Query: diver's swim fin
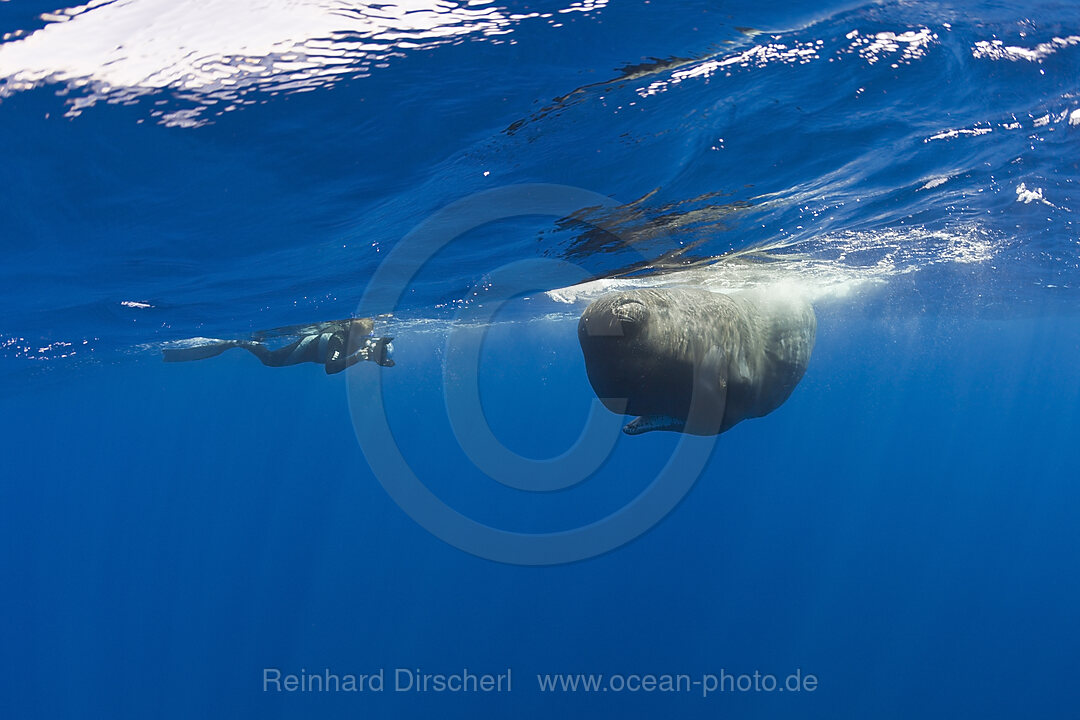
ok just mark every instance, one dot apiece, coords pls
pixel 199 352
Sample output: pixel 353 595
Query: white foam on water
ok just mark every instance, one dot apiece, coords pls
pixel 998 50
pixel 935 182
pixel 907 46
pixel 828 267
pixel 1029 195
pixel 949 134
pixel 759 56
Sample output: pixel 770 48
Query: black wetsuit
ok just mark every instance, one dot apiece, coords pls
pixel 327 348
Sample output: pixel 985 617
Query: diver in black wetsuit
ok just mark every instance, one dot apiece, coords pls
pixel 330 347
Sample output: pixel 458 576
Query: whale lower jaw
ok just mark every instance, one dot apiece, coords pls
pixel 648 423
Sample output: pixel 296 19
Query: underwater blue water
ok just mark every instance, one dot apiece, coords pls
pixel 903 528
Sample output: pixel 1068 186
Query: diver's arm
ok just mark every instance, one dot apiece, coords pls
pixel 361 354
pixel 375 349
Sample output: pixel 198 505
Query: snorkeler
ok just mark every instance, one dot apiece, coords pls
pixel 327 343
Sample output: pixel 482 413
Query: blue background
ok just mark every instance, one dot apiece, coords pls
pixel 903 527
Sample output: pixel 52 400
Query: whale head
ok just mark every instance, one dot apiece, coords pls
pixel 632 363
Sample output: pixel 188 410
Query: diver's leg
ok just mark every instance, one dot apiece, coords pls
pixel 305 349
pixel 288 355
pixel 268 357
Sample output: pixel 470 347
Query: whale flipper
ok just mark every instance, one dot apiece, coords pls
pixel 648 423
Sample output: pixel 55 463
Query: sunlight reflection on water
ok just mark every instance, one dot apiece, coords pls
pixel 225 54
